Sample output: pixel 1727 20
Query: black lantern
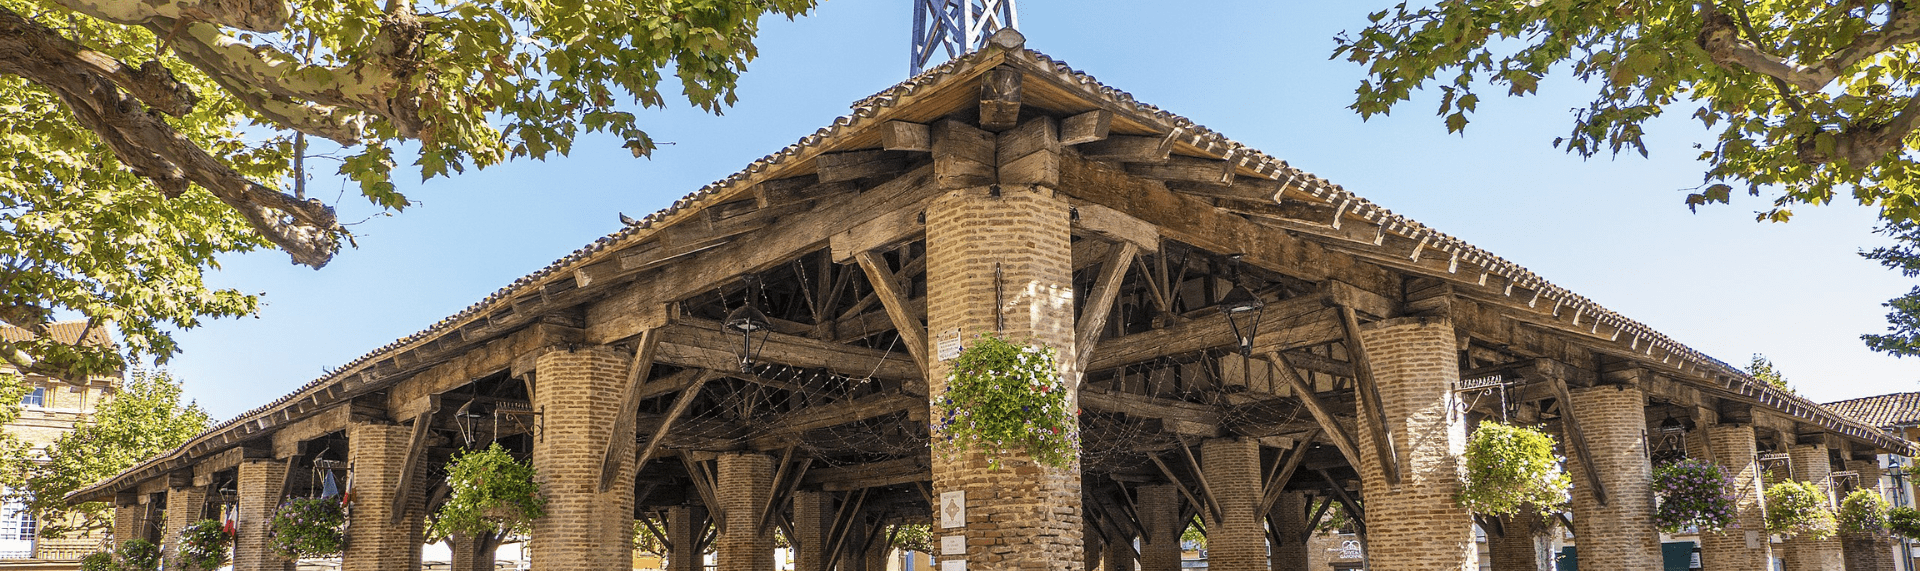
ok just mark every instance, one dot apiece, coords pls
pixel 748 321
pixel 1243 309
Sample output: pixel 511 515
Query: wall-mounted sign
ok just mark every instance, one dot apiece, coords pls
pixel 949 344
pixel 955 545
pixel 953 509
pixel 953 565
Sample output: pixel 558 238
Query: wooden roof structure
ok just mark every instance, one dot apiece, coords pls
pixel 1137 174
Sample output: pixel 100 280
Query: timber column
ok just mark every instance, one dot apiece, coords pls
pixel 1415 524
pixel 376 540
pixel 577 394
pixel 185 505
pixel 1873 552
pixel 1811 463
pixel 1745 545
pixel 1613 420
pixel 1237 539
pixel 1160 519
pixel 261 482
pixel 744 483
pixel 999 260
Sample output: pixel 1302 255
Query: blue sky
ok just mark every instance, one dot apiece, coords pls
pixel 1615 231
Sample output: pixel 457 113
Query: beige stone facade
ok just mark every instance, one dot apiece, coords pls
pixel 50 410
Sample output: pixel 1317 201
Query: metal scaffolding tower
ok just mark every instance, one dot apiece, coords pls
pixel 959 26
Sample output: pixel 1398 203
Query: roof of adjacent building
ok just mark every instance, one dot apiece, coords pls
pixel 67 332
pixel 1885 411
pixel 920 95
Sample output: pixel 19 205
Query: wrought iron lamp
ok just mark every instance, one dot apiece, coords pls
pixel 1243 309
pixel 748 321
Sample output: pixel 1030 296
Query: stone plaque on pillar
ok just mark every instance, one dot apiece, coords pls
pixel 953 565
pixel 953 509
pixel 953 545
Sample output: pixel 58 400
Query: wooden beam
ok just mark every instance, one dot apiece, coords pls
pixel 1000 99
pixel 416 448
pixel 904 136
pixel 1106 288
pixel 855 165
pixel 1570 422
pixel 871 475
pixel 1085 127
pixel 1176 416
pixel 702 344
pixel 1346 500
pixel 1115 226
pixel 1206 488
pixel 618 447
pixel 1302 321
pixel 1186 169
pixel 773 495
pixel 1129 149
pixel 1342 439
pixel 791 425
pixel 1177 484
pixel 963 156
pixel 1283 472
pixel 1369 391
pixel 1313 521
pixel 887 287
pixel 666 424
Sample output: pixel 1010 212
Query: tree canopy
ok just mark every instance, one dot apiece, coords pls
pixel 139 141
pixel 1811 99
pixel 146 417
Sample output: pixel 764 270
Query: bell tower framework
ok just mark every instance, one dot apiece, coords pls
pixel 956 27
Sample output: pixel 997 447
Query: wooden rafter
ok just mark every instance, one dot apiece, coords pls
pixel 1370 406
pixel 1346 500
pixel 416 449
pixel 679 408
pixel 887 287
pixel 1182 486
pixel 1570 422
pixel 1093 318
pixel 1342 439
pixel 1283 469
pixel 704 484
pixel 1206 488
pixel 1313 521
pixel 618 446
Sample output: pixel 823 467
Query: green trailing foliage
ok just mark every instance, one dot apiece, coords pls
pixel 204 545
pixel 1512 469
pixel 101 561
pixel 1904 521
pixel 1762 368
pixel 137 555
pixel 492 492
pixel 1863 512
pixel 309 528
pixel 1692 494
pixel 1799 508
pixel 1002 399
pixel 1902 338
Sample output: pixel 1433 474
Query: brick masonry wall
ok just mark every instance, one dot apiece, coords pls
pixel 1868 553
pixel 184 506
pixel 1118 558
pixel 744 482
pixel 1159 507
pixel 1526 546
pixel 1021 516
pixel 128 519
pixel 1236 541
pixel 578 393
pixel 1812 464
pixel 260 485
pixel 1614 420
pixel 1289 520
pixel 812 515
pixel 1732 446
pixel 1417 524
pixel 378 453
pixel 684 526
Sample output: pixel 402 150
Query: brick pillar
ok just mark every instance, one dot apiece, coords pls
pixel 851 557
pixel 812 516
pixel 743 486
pixel 1092 547
pixel 184 506
pixel 1416 524
pixel 1811 464
pixel 1526 546
pixel 1733 446
pixel 1015 248
pixel 129 519
pixel 1614 421
pixel 1160 518
pixel 1116 557
pixel 471 553
pixel 260 485
pixel 1873 552
pixel 577 393
pixel 1237 540
pixel 378 453
pixel 1289 520
pixel 684 526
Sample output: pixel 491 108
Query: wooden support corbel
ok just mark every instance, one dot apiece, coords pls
pixel 1085 127
pixel 904 136
pixel 1570 422
pixel 679 407
pixel 1369 391
pixel 1093 318
pixel 1000 99
pixel 637 372
pixel 887 287
pixel 416 449
pixel 1322 414
pixel 855 165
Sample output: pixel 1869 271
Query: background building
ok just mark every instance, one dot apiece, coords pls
pixel 51 408
pixel 1897 413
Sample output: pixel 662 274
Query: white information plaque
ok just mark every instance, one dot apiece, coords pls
pixel 953 509
pixel 953 545
pixel 949 345
pixel 953 565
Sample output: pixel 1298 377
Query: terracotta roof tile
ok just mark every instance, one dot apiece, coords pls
pixel 1884 411
pixel 67 332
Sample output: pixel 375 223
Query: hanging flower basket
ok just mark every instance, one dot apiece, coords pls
pixel 1003 398
pixel 1863 513
pixel 203 545
pixel 309 528
pixel 1798 508
pixel 1904 521
pixel 491 491
pixel 100 561
pixel 1512 469
pixel 1693 494
pixel 139 555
